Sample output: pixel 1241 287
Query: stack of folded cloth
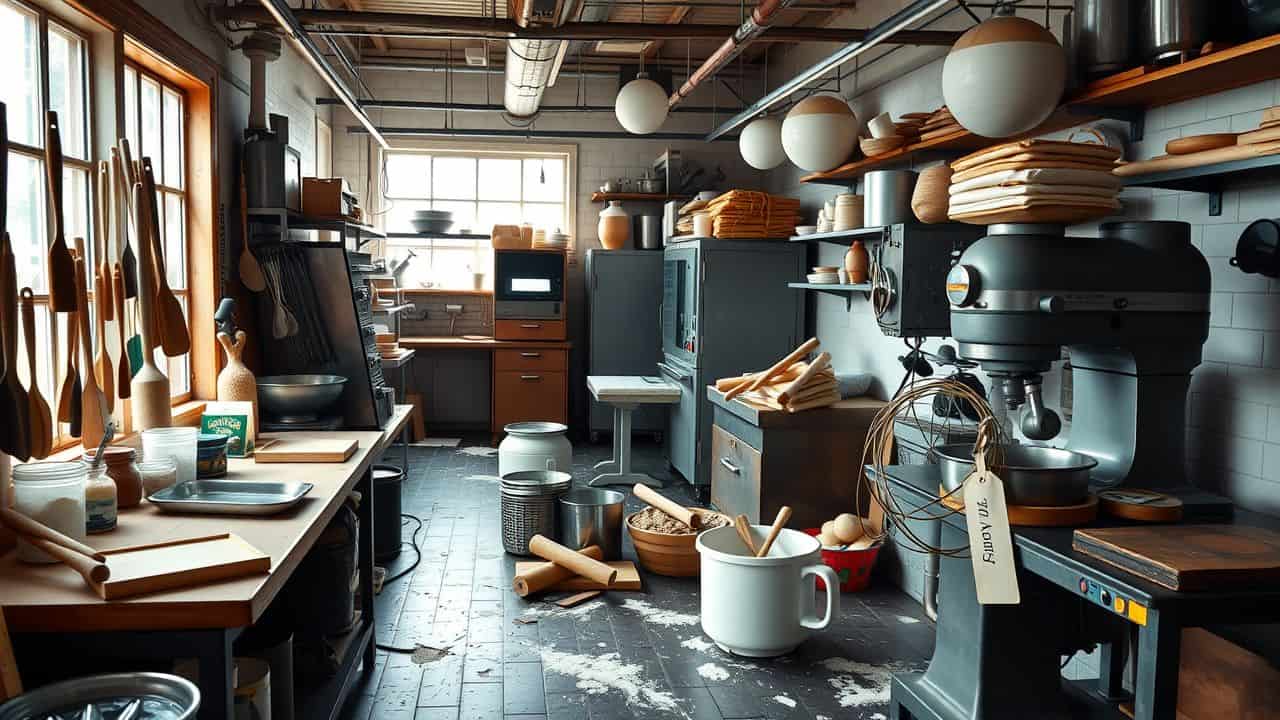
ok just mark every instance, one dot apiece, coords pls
pixel 1035 181
pixel 753 214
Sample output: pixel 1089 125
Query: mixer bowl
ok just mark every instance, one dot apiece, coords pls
pixel 1032 475
pixel 298 398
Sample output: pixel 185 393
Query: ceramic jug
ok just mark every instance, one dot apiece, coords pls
pixel 236 382
pixel 615 227
pixel 857 262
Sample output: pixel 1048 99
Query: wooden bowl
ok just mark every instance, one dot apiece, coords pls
pixel 670 555
pixel 386 337
pixel 931 199
pixel 872 147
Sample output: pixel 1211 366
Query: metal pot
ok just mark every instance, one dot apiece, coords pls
pixel 161 696
pixel 650 185
pixel 299 398
pixel 1173 27
pixel 1102 35
pixel 591 516
pixel 887 197
pixel 1032 475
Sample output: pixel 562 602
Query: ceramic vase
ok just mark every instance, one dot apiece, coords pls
pixel 857 262
pixel 614 227
pixel 236 382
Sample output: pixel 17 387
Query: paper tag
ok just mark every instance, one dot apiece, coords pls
pixel 990 543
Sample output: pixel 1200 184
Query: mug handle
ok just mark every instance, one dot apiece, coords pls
pixel 833 596
pixel 551 464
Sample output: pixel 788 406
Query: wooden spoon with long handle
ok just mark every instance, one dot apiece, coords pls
pixel 784 517
pixel 104 205
pixel 150 401
pixel 172 323
pixel 62 269
pixel 102 363
pixel 70 379
pixel 93 408
pixel 124 190
pixel 13 398
pixel 250 269
pixel 117 296
pixel 39 421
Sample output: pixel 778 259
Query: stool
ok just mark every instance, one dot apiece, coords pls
pixel 625 393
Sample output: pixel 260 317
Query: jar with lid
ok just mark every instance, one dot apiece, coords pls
pixel 157 474
pixel 121 467
pixel 179 443
pixel 52 494
pixel 100 500
pixel 211 459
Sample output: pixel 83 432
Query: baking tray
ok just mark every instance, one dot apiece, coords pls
pixel 230 497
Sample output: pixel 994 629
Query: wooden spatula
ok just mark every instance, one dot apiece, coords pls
pixel 250 269
pixel 102 362
pixel 93 419
pixel 39 422
pixel 171 323
pixel 150 387
pixel 124 190
pixel 13 399
pixel 106 227
pixel 70 380
pixel 62 269
pixel 117 296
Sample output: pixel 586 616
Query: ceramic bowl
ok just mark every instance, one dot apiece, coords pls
pixel 671 555
pixel 1004 77
pixel 823 278
pixel 819 133
pixel 806 229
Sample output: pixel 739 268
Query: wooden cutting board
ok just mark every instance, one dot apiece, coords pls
pixel 1261 135
pixel 305 450
pixel 628 578
pixel 1188 557
pixel 1208 157
pixel 181 563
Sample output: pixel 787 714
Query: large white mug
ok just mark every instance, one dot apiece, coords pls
pixel 881 126
pixel 762 607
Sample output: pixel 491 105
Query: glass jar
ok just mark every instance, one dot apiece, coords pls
pixel 100 500
pixel 211 458
pixel 178 443
pixel 122 469
pixel 52 494
pixel 157 474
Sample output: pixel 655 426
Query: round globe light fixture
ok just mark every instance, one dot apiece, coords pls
pixel 819 133
pixel 1004 77
pixel 641 106
pixel 761 143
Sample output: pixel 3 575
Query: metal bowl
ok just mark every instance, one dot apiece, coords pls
pixel 298 398
pixel 1032 475
pixel 161 695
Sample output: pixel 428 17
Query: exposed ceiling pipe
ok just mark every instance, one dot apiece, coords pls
pixel 532 64
pixel 887 29
pixel 591 68
pixel 432 105
pixel 527 134
pixel 753 27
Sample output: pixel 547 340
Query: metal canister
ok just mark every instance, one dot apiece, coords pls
pixel 592 516
pixel 1173 27
pixel 1102 36
pixel 887 197
pixel 651 232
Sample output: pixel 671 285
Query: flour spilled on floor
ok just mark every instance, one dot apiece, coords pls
pixel 659 616
pixel 598 674
pixel 859 683
pixel 484 478
pixel 784 700
pixel 713 672
pixel 879 716
pixel 478 451
pixel 538 610
pixel 698 643
pixel 907 620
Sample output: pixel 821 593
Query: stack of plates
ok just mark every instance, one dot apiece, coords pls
pixel 848 212
pixel 432 221
pixel 388 345
pixel 555 241
pixel 824 275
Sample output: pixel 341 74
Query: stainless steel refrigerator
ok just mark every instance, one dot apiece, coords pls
pixel 624 295
pixel 726 310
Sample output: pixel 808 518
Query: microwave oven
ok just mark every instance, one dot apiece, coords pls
pixel 528 284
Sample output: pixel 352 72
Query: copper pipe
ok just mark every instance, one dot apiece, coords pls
pixel 761 17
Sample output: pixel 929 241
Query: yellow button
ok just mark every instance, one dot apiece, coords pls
pixel 1138 613
pixel 1118 605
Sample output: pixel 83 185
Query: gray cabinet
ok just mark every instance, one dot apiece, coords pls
pixel 624 295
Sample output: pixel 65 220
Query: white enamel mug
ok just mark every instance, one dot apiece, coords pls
pixel 762 607
pixel 881 126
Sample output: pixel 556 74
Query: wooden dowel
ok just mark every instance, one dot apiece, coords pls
pixel 823 360
pixel 791 373
pixel 805 348
pixel 784 516
pixel 668 506
pixel 566 558
pixel 548 574
pixel 91 570
pixel 744 533
pixel 24 525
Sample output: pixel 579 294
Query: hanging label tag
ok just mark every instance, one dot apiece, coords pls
pixel 990 543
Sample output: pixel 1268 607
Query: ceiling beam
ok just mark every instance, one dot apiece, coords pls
pixel 378 42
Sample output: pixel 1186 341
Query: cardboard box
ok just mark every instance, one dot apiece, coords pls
pixel 328 198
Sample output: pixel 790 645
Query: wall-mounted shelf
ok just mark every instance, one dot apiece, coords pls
pixel 1208 178
pixel 1122 95
pixel 845 291
pixel 648 197
pixel 843 237
pixel 438 236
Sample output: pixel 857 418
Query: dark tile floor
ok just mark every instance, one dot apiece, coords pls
pixel 624 655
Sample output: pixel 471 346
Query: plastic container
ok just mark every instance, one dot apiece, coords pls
pixel 535 446
pixel 388 480
pixel 179 443
pixel 591 516
pixel 101 508
pixel 853 567
pixel 211 455
pixel 51 493
pixel 157 474
pixel 123 469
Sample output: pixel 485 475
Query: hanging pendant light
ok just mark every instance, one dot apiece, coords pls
pixel 761 143
pixel 641 105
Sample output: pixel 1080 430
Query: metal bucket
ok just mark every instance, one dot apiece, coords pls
pixel 529 506
pixel 1032 475
pixel 590 516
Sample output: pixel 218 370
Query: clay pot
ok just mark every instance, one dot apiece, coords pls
pixel 236 382
pixel 614 227
pixel 857 262
pixel 670 555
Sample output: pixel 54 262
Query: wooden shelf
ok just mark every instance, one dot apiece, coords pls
pixel 439 236
pixel 1115 95
pixel 1209 178
pixel 843 237
pixel 650 197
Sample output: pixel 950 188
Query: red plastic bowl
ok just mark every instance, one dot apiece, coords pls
pixel 853 567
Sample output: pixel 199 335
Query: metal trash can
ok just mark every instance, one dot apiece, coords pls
pixel 591 516
pixel 529 506
pixel 388 481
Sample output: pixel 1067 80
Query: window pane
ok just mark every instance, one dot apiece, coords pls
pixel 131 107
pixel 75 207
pixel 408 175
pixel 26 224
pixel 464 213
pixel 175 245
pixel 499 179
pixel 491 214
pixel 454 178
pixel 150 122
pixel 548 217
pixel 180 367
pixel 173 125
pixel 20 83
pixel 401 211
pixel 544 180
pixel 67 90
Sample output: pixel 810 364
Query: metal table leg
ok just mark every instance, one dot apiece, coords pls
pixel 1159 652
pixel 622 453
pixel 364 550
pixel 217 663
pixel 611 465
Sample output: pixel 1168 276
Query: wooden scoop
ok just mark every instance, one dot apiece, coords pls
pixel 93 404
pixel 548 574
pixel 668 506
pixel 784 516
pixel 39 420
pixel 62 269
pixel 570 560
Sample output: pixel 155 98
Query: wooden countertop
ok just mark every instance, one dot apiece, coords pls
pixel 478 342
pixel 51 598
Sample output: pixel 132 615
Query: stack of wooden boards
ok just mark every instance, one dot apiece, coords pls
pixel 791 384
pixel 938 123
pixel 1035 181
pixel 1200 150
pixel 583 572
pixel 751 214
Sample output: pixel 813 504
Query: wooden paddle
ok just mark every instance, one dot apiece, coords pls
pixel 103 246
pixel 117 296
pixel 13 399
pixel 68 395
pixel 124 194
pixel 171 323
pixel 150 387
pixel 93 409
pixel 62 269
pixel 102 362
pixel 39 421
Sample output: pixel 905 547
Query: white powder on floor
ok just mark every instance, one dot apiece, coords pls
pixel 537 610
pixel 598 674
pixel 878 716
pixel 859 683
pixel 478 451
pixel 484 478
pixel 713 672
pixel 907 620
pixel 698 643
pixel 784 700
pixel 821 717
pixel 659 616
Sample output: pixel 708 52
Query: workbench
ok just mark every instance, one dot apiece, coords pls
pixel 202 622
pixel 1154 615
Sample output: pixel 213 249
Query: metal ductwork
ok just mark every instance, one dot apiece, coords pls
pixel 532 64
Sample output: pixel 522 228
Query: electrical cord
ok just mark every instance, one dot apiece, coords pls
pixel 417 550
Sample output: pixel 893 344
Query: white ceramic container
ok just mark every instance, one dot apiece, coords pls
pixel 762 607
pixel 535 446
pixel 881 126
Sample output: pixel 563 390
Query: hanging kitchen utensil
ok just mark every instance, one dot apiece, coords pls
pixel 124 215
pixel 93 404
pixel 70 381
pixel 102 362
pixel 171 321
pixel 62 269
pixel 250 270
pixel 13 399
pixel 150 388
pixel 104 204
pixel 117 296
pixel 39 421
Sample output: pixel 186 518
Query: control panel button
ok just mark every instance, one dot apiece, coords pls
pixel 1118 605
pixel 1105 596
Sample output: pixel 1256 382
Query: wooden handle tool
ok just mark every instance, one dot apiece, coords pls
pixel 102 361
pixel 93 405
pixel 784 516
pixel 124 216
pixel 39 420
pixel 791 373
pixel 171 324
pixel 548 574
pixel 744 533
pixel 822 361
pixel 805 348
pixel 62 270
pixel 27 527
pixel 117 297
pixel 566 558
pixel 668 506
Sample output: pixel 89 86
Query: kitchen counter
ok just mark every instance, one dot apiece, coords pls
pixel 478 342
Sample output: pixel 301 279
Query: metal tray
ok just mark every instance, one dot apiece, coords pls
pixel 230 497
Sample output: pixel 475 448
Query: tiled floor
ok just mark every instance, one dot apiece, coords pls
pixel 624 655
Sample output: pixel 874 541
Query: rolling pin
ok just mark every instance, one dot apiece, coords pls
pixel 797 386
pixel 570 560
pixel 25 526
pixel 93 571
pixel 778 368
pixel 791 373
pixel 548 574
pixel 668 506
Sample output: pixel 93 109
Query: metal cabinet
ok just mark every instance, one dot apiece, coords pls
pixel 624 296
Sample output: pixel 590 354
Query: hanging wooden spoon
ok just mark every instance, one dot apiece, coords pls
pixel 124 190
pixel 171 321
pixel 150 403
pixel 102 362
pixel 39 422
pixel 117 295
pixel 62 269
pixel 13 399
pixel 70 379
pixel 104 243
pixel 93 417
pixel 250 270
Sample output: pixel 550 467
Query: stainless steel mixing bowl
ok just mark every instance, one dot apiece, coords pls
pixel 1032 475
pixel 298 398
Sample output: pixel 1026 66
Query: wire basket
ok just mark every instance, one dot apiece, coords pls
pixel 529 507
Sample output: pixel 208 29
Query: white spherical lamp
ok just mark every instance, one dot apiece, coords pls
pixel 641 106
pixel 761 143
pixel 1004 77
pixel 819 133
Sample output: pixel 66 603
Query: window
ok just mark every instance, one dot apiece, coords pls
pixel 155 121
pixel 482 189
